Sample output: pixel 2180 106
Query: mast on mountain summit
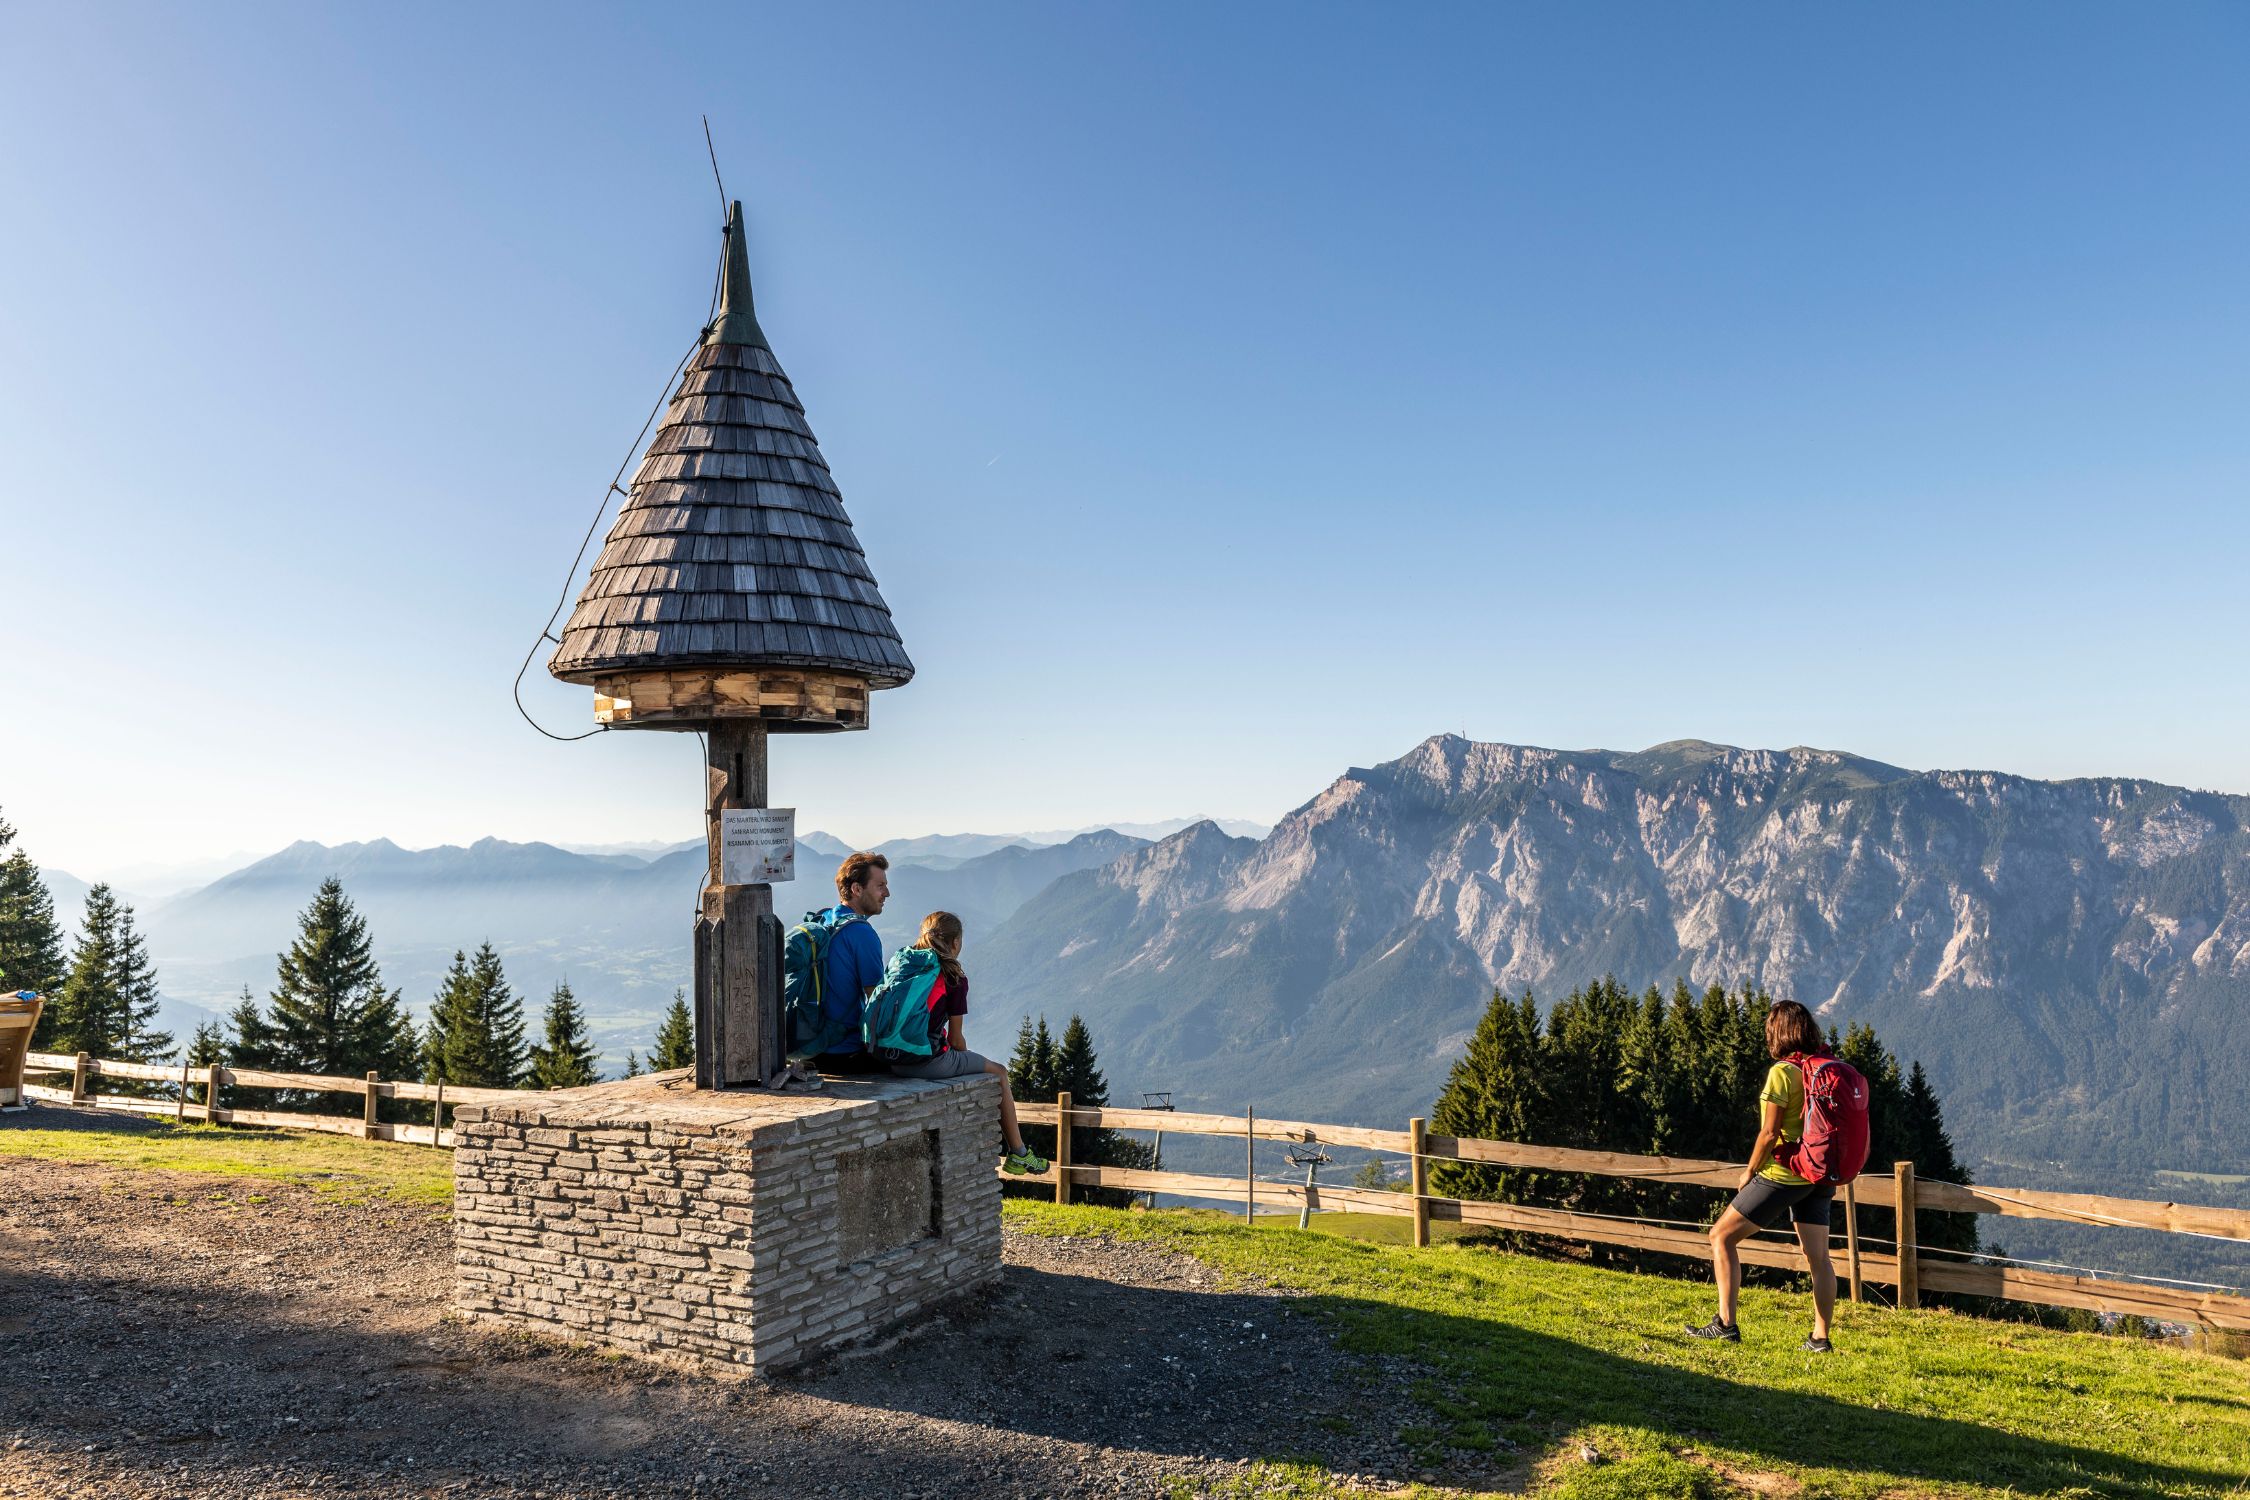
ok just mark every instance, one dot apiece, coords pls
pixel 732 597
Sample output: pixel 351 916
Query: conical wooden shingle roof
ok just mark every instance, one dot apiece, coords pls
pixel 732 551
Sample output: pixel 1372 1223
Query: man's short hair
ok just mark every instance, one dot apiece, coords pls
pixel 855 871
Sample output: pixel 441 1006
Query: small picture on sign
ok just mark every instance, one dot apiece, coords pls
pixel 757 845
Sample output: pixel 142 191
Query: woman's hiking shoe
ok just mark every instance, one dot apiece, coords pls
pixel 1024 1163
pixel 1812 1345
pixel 1725 1333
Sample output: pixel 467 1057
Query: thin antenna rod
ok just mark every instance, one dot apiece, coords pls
pixel 715 177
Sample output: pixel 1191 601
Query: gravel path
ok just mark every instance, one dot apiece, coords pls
pixel 163 1334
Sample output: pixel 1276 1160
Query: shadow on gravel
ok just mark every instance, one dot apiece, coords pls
pixel 1088 1360
pixel 42 1116
pixel 173 1381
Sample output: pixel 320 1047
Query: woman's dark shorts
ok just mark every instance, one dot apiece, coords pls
pixel 1763 1200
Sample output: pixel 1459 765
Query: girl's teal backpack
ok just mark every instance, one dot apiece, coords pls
pixel 895 1022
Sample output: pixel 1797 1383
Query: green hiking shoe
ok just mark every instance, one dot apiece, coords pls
pixel 1024 1163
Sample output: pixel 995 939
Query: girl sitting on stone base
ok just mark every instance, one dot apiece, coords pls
pixel 950 1056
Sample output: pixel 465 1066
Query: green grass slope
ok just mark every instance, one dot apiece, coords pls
pixel 332 1165
pixel 1544 1358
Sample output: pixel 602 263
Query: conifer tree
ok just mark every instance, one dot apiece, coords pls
pixel 1034 1070
pixel 1495 1091
pixel 567 1059
pixel 675 1038
pixel 1931 1150
pixel 475 1035
pixel 252 1041
pixel 1023 1064
pixel 632 1065
pixel 107 1004
pixel 331 1014
pixel 207 1045
pixel 1033 1078
pixel 1077 1071
pixel 31 940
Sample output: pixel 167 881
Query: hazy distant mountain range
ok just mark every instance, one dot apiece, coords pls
pixel 616 924
pixel 2071 960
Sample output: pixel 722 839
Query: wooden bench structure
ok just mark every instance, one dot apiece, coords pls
pixel 19 1017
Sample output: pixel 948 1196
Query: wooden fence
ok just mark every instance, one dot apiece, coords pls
pixel 187 1082
pixel 1910 1269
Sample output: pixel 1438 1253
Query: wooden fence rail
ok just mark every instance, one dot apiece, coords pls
pixel 84 1070
pixel 1908 1269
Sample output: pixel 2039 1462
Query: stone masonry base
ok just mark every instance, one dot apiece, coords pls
pixel 740 1229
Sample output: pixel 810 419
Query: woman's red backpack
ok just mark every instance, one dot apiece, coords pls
pixel 1833 1147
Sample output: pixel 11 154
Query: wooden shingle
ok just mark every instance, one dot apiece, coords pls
pixel 733 550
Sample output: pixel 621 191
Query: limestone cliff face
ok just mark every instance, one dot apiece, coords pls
pixel 2070 959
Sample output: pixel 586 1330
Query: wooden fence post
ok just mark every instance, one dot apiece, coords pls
pixel 1851 1236
pixel 437 1116
pixel 367 1117
pixel 1062 1147
pixel 1418 1177
pixel 78 1078
pixel 1909 1287
pixel 211 1096
pixel 179 1113
pixel 1250 1169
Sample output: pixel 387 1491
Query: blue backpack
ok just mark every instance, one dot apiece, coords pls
pixel 804 985
pixel 895 1024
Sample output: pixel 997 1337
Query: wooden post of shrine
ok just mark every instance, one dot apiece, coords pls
pixel 736 995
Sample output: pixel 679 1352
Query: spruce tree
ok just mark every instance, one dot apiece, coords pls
pixel 1496 1092
pixel 207 1046
pixel 1032 1078
pixel 31 941
pixel 567 1060
pixel 1022 1062
pixel 107 1003
pixel 632 1065
pixel 252 1040
pixel 475 1035
pixel 331 1014
pixel 675 1038
pixel 1077 1072
pixel 1931 1150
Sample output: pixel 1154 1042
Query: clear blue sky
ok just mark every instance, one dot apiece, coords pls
pixel 1225 395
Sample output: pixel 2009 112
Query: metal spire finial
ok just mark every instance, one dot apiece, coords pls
pixel 737 322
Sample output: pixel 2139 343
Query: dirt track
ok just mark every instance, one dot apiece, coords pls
pixel 163 1335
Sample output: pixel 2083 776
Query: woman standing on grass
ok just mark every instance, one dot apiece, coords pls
pixel 950 1056
pixel 1769 1189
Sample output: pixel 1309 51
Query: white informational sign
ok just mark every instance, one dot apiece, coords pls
pixel 757 845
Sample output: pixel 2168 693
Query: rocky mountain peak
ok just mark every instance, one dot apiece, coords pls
pixel 1189 866
pixel 2034 942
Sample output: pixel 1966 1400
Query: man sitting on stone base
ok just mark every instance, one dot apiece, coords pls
pixel 854 962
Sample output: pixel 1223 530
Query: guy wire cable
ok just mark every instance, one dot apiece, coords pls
pixel 546 631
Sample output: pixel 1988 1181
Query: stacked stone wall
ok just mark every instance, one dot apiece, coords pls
pixel 705 1229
